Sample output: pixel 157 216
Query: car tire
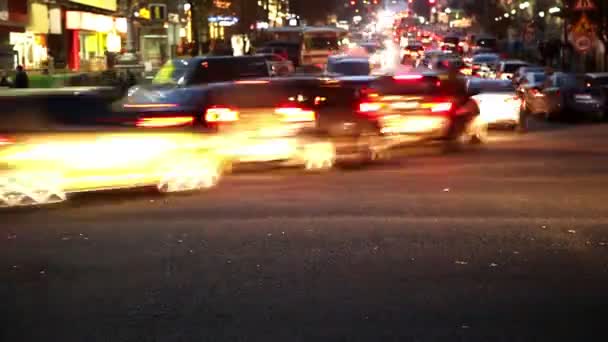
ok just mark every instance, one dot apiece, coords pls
pixel 319 157
pixel 31 189
pixel 188 175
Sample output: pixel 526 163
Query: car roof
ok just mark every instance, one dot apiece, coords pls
pixel 514 61
pixel 597 74
pixel 487 55
pixel 352 60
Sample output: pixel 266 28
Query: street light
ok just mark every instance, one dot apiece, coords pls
pixel 506 15
pixel 553 10
pixel 448 10
pixel 513 11
pixel 524 5
pixel 541 14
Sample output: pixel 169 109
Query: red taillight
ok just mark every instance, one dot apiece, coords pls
pixel 221 114
pixel 164 121
pixel 407 77
pixel 369 107
pixel 5 141
pixel 296 114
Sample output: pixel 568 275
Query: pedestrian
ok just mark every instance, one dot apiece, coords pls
pixel 21 79
pixel 4 81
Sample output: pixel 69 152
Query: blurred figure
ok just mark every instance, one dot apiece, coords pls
pixel 4 81
pixel 21 79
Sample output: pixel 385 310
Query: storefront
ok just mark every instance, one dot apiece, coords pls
pixel 30 46
pixel 13 19
pixel 92 36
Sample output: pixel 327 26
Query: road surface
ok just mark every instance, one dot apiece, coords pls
pixel 505 243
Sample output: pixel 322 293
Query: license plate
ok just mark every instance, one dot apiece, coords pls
pixel 404 105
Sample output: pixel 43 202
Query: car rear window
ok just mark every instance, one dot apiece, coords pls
pixel 491 87
pixel 227 69
pixel 513 67
pixel 428 85
pixel 485 59
pixel 351 68
pixel 171 72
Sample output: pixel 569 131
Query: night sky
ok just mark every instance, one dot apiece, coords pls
pixel 313 10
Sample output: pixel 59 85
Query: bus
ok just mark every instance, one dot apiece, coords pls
pixel 316 43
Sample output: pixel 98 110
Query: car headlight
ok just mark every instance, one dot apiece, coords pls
pixel 132 91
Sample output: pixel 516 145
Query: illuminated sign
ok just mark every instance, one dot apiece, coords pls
pixel 158 12
pixel 109 5
pixel 75 20
pixel 224 20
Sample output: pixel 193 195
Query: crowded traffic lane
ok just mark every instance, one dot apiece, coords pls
pixel 505 241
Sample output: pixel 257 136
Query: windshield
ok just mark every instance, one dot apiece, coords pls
pixel 171 72
pixel 492 87
pixel 485 59
pixel 348 68
pixel 321 42
pixel 512 67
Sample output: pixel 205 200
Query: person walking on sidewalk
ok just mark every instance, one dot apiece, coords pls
pixel 21 79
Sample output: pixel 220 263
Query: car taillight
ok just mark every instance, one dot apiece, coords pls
pixel 438 107
pixel 369 107
pixel 164 121
pixel 5 141
pixel 221 114
pixel 296 114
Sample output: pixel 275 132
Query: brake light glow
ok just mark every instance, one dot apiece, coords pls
pixel 438 107
pixel 368 107
pixel 5 141
pixel 221 114
pixel 407 77
pixel 252 82
pixel 150 105
pixel 296 114
pixel 166 121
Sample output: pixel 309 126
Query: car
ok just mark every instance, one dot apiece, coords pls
pixel 349 66
pixel 498 102
pixel 57 142
pixel 184 72
pixel 517 76
pixel 529 89
pixel 573 97
pixel 452 44
pixel 412 51
pixel 422 106
pixel 290 50
pixel 507 68
pixel 279 66
pixel 484 64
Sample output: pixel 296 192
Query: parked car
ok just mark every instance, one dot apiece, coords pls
pixel 498 102
pixel 573 97
pixel 279 66
pixel 530 90
pixel 61 141
pixel 507 68
pixel 291 50
pixel 483 65
pixel 517 76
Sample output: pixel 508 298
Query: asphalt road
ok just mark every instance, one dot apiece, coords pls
pixel 504 243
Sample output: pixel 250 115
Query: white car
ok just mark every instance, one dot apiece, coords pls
pixel 506 69
pixel 497 100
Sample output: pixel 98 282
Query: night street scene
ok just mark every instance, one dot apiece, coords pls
pixel 303 170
